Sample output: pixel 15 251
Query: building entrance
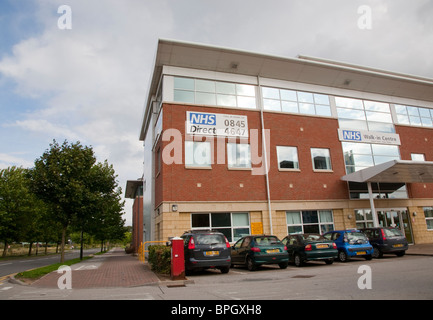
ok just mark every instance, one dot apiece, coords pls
pixel 397 218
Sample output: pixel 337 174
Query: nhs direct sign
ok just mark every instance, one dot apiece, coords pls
pixel 368 137
pixel 216 124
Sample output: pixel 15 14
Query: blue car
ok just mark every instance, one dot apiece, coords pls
pixel 350 243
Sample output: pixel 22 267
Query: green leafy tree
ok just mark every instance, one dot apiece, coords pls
pixel 17 205
pixel 69 179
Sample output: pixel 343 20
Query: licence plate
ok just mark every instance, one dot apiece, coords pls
pixel 321 246
pixel 397 245
pixel 361 252
pixel 211 253
pixel 272 250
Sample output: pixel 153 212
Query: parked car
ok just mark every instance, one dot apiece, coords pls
pixel 386 240
pixel 309 247
pixel 254 251
pixel 206 249
pixel 350 243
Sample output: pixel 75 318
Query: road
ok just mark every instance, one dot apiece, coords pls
pixel 407 278
pixel 16 265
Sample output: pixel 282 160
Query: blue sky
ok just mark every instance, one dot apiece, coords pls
pixel 89 83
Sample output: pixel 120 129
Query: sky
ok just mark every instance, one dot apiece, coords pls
pixel 83 74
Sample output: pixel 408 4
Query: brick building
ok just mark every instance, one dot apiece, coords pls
pixel 249 143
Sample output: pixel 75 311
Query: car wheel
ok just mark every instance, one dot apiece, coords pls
pixel 283 265
pixel 401 253
pixel 329 261
pixel 225 269
pixel 298 260
pixel 377 253
pixel 368 257
pixel 342 256
pixel 250 264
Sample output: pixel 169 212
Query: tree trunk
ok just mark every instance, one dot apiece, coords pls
pixel 5 250
pixel 62 246
pixel 30 248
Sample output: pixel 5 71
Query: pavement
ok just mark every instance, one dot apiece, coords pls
pixel 118 269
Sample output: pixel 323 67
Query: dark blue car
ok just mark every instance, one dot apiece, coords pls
pixel 350 243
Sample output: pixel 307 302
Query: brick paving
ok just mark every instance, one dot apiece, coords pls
pixel 113 269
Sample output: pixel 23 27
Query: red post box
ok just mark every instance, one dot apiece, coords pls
pixel 177 259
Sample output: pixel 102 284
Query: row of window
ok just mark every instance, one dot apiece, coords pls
pixel 352 113
pixel 198 154
pixel 235 225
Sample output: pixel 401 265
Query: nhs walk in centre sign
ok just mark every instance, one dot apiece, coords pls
pixel 216 124
pixel 368 137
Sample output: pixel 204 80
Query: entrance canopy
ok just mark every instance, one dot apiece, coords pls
pixel 395 171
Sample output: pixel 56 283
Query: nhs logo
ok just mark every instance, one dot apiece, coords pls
pixel 202 118
pixel 352 135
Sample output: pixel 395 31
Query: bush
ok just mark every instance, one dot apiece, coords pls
pixel 160 258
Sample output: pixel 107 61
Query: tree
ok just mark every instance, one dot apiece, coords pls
pixel 69 179
pixel 17 207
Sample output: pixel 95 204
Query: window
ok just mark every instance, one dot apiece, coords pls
pixel 358 156
pixel 233 225
pixel 417 156
pixel 428 212
pixel 238 155
pixel 295 101
pixel 209 92
pixel 321 159
pixel 197 154
pixel 364 115
pixel 364 218
pixel 287 157
pixel 415 116
pixel 320 221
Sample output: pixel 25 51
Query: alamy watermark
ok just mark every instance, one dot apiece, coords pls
pixel 365 281
pixel 365 21
pixel 65 280
pixel 65 20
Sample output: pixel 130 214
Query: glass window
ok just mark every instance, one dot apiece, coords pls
pixel 245 90
pixel 312 221
pixel 364 218
pixel 428 213
pixel 321 99
pixel 205 86
pixel 417 156
pixel 271 93
pixel 288 95
pixel 184 96
pixel 349 103
pixel 416 116
pixel 226 100
pixel 197 154
pixel 246 102
pixel 205 98
pixel 321 159
pixel 226 88
pixel 287 157
pixel 233 225
pixel 238 155
pixel 306 97
pixel 272 105
pixel 184 83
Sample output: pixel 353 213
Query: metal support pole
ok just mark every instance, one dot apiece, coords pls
pixel 373 209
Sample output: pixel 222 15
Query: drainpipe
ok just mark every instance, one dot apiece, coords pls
pixel 265 155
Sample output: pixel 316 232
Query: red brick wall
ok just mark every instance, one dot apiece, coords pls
pixel 416 140
pixel 176 183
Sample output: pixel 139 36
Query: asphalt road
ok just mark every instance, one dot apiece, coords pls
pixel 16 265
pixel 405 278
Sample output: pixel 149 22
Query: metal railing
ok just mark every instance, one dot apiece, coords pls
pixel 142 249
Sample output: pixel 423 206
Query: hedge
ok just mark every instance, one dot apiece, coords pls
pixel 160 258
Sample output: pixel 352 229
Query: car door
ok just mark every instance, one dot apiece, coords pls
pixel 292 243
pixel 235 251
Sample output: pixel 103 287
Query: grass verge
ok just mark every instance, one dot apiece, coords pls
pixel 40 272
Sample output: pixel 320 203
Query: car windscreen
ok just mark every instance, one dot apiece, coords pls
pixel 392 232
pixel 267 240
pixel 210 239
pixel 355 236
pixel 313 237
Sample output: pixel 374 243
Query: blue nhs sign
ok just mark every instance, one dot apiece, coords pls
pixel 202 118
pixel 352 135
